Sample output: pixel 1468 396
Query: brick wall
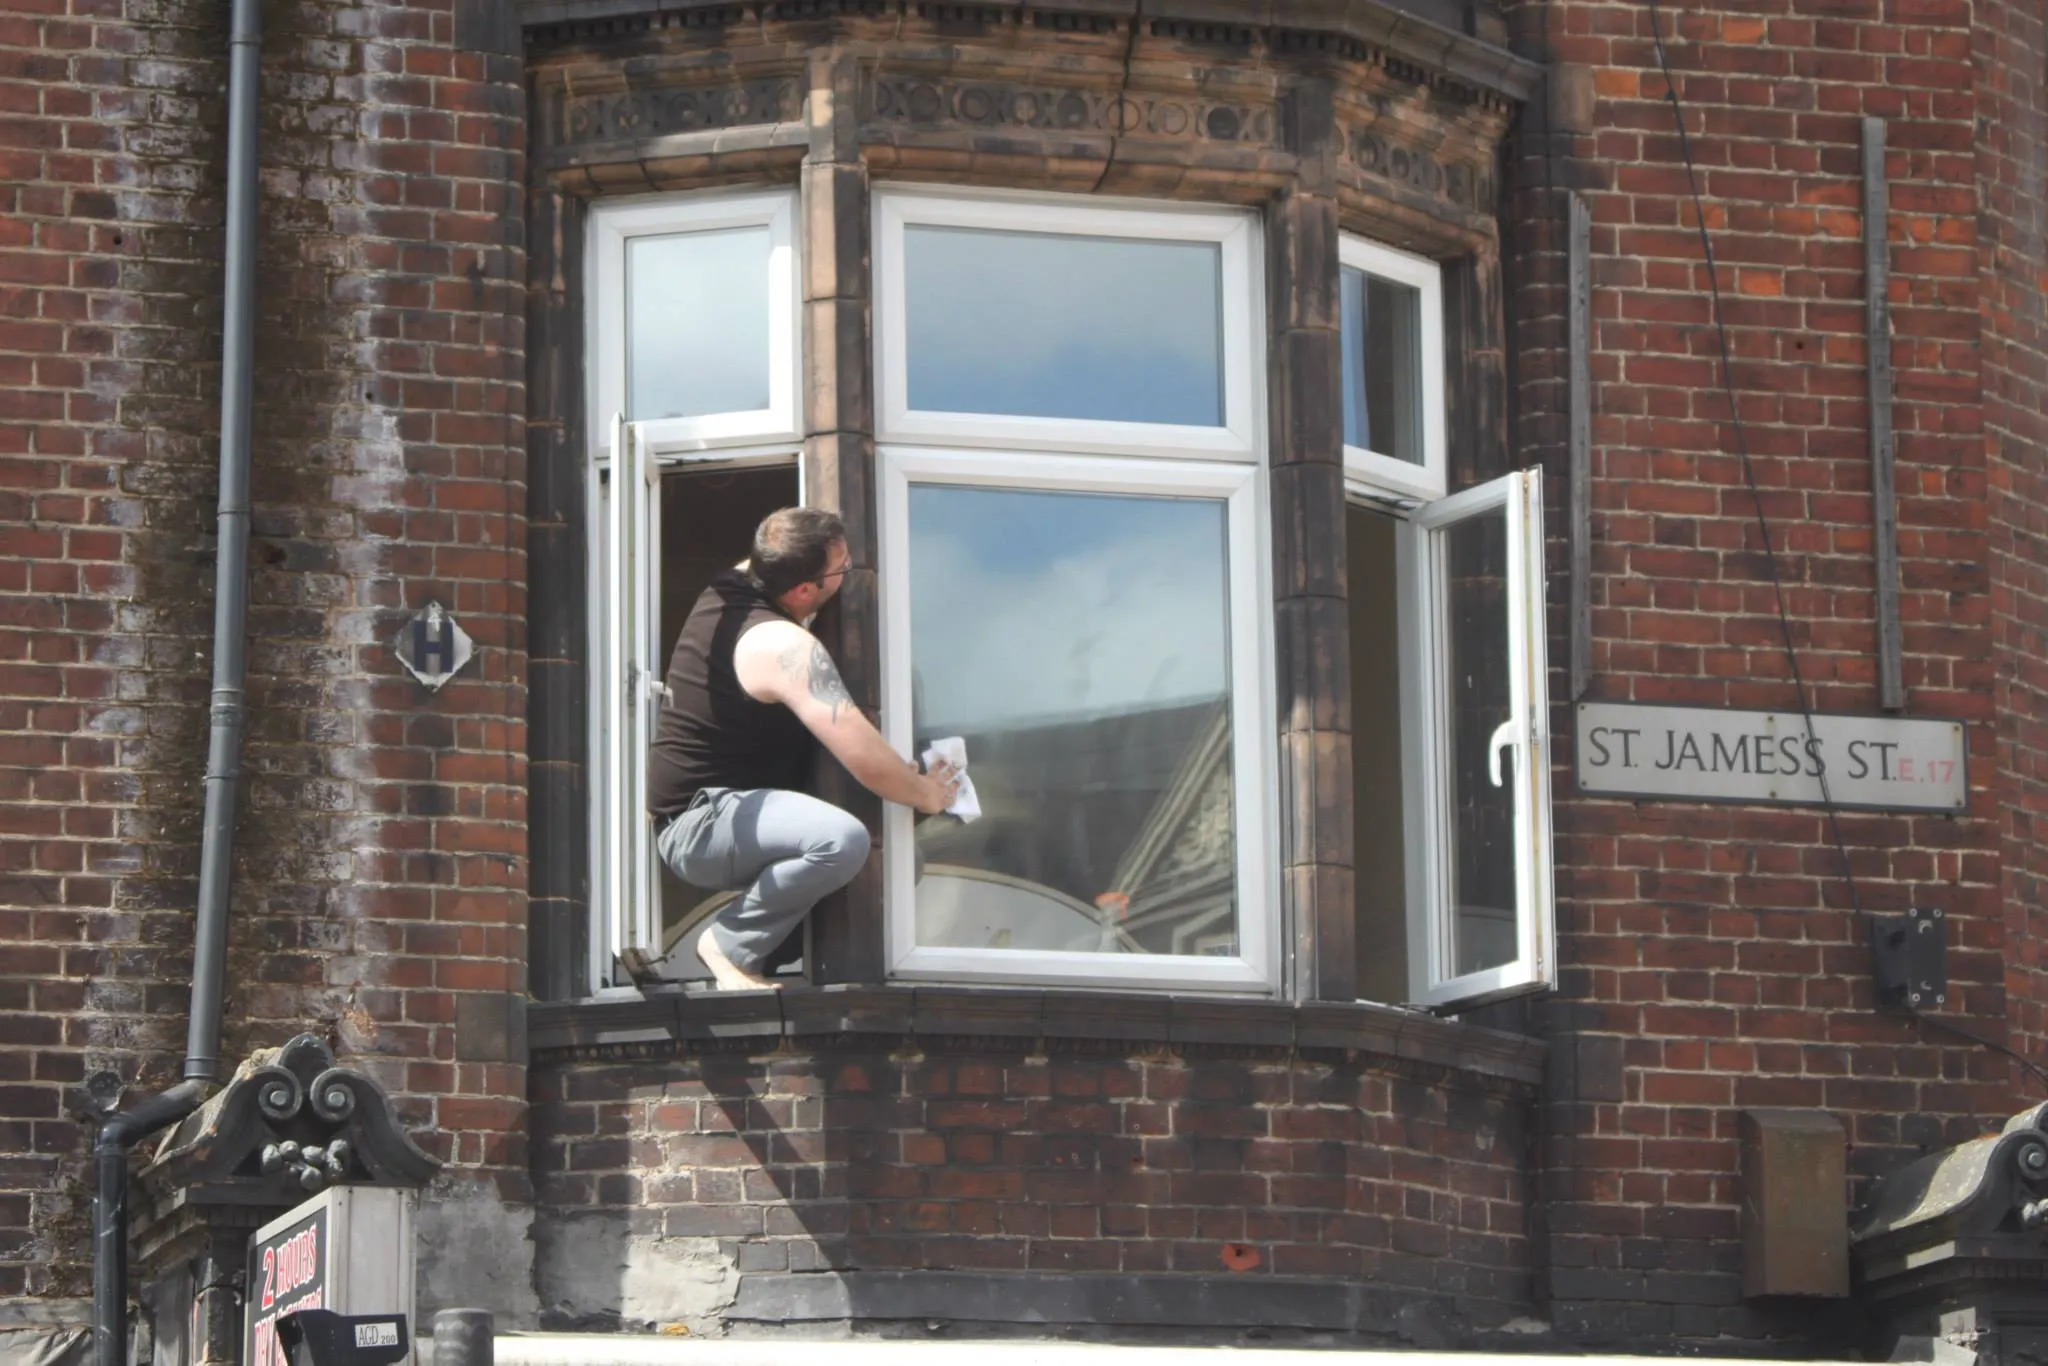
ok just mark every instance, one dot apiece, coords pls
pixel 379 865
pixel 1715 958
pixel 2012 244
pixel 986 1156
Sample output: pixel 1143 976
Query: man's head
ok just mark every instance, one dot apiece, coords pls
pixel 800 558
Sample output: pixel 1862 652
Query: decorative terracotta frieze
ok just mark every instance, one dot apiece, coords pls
pixel 624 116
pixel 940 102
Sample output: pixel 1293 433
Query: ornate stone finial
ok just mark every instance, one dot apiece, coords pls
pixel 292 1123
pixel 1951 1251
pixel 1994 1184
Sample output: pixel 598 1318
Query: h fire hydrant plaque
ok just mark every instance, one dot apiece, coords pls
pixel 432 647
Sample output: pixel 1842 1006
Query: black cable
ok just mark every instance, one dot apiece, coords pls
pixel 1741 434
pixel 1763 523
pixel 1115 111
pixel 1974 1037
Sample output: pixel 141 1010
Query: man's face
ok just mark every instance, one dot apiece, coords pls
pixel 837 561
pixel 804 600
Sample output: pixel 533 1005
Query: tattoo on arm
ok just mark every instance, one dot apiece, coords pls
pixel 819 674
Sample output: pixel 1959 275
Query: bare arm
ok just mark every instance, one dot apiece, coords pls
pixel 779 661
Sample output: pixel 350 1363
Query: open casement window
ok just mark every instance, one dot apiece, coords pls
pixel 1393 349
pixel 1477 752
pixel 692 386
pixel 693 321
pixel 1074 582
pixel 663 527
pixel 631 695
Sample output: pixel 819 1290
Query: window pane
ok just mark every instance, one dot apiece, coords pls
pixel 1052 325
pixel 1482 815
pixel 1080 644
pixel 1382 366
pixel 1378 823
pixel 697 323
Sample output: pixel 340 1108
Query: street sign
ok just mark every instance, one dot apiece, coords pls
pixel 1883 763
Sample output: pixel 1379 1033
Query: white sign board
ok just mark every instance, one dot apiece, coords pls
pixel 1881 763
pixel 348 1249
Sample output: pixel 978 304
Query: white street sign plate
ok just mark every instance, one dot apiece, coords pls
pixel 1881 763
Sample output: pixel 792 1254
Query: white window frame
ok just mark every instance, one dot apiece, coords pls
pixel 1235 232
pixel 628 687
pixel 1525 737
pixel 626 701
pixel 611 225
pixel 624 586
pixel 1367 472
pixel 1253 761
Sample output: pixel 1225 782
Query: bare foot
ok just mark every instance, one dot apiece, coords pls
pixel 723 970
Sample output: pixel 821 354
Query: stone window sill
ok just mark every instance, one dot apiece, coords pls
pixel 698 1021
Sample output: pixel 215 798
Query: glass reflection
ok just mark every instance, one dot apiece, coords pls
pixel 1079 643
pixel 1382 341
pixel 1055 325
pixel 697 323
pixel 1482 815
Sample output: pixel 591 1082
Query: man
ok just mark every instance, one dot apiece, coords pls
pixel 751 695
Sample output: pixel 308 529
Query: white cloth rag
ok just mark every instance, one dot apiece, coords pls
pixel 953 749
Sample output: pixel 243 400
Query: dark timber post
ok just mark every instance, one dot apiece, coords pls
pixel 839 473
pixel 1311 617
pixel 557 635
pixel 1884 512
pixel 1579 268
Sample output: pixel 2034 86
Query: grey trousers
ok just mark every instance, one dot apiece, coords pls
pixel 789 851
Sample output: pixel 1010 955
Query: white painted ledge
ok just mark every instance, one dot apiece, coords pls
pixel 607 1349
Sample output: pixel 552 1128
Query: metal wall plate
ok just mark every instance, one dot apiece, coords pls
pixel 1909 959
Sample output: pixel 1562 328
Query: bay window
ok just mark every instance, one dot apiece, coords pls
pixel 1072 576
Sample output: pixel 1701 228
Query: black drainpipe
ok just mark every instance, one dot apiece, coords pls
pixel 224 751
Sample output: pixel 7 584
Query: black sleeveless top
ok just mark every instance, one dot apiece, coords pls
pixel 710 733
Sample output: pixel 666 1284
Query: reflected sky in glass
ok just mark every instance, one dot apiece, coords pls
pixel 1079 644
pixel 1026 606
pixel 1056 325
pixel 697 323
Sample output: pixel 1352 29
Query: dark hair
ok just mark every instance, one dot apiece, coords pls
pixel 792 546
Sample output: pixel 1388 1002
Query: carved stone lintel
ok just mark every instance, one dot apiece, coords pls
pixel 941 102
pixel 630 115
pixel 1467 185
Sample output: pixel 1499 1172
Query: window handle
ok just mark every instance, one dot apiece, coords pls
pixel 1503 737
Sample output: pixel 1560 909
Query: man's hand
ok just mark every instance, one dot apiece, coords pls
pixel 943 782
pixel 779 661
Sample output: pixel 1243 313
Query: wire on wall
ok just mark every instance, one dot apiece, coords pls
pixel 1116 104
pixel 1763 526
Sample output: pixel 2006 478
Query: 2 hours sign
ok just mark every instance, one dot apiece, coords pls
pixel 287 1273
